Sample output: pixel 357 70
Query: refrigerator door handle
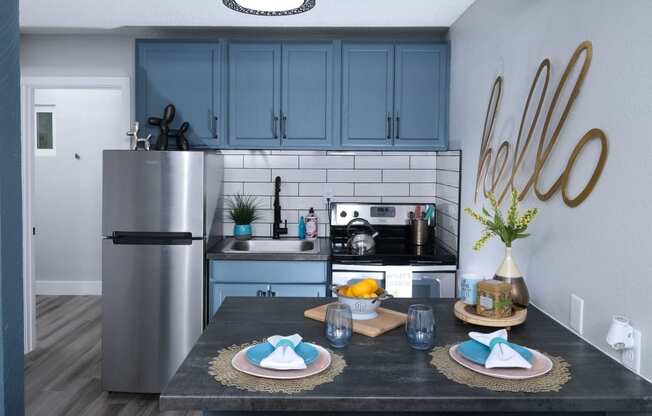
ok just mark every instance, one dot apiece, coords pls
pixel 149 238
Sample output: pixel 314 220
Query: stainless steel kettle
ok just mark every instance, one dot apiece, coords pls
pixel 361 243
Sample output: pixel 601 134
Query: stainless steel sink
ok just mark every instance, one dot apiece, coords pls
pixel 271 246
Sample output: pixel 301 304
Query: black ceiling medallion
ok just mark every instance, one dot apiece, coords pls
pixel 234 5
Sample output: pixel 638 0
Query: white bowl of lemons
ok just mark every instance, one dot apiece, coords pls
pixel 363 297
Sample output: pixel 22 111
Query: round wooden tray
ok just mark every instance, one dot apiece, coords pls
pixel 467 314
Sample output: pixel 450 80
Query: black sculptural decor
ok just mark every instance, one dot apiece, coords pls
pixel 163 124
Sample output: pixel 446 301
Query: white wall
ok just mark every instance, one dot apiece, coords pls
pixel 599 250
pixel 78 56
pixel 68 191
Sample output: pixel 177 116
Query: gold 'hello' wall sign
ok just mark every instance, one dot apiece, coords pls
pixel 493 169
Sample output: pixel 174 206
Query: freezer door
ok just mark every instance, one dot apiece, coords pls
pixel 153 191
pixel 152 312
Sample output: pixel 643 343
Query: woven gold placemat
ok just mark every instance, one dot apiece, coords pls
pixel 222 371
pixel 553 381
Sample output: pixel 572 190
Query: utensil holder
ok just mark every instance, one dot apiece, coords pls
pixel 419 231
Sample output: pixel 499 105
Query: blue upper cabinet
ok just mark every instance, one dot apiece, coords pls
pixel 367 94
pixel 421 97
pixel 186 74
pixel 254 95
pixel 307 95
pixel 374 95
pixel 395 96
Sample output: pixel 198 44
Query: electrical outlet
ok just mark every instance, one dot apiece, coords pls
pixel 631 357
pixel 577 314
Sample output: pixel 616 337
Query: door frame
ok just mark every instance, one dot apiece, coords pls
pixel 28 86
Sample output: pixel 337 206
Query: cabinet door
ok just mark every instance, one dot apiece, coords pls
pixel 420 101
pixel 299 291
pixel 186 75
pixel 221 290
pixel 367 94
pixel 254 94
pixel 307 96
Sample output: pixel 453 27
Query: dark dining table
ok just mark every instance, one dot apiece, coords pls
pixel 384 375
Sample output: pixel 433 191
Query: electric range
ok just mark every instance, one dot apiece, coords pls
pixel 401 267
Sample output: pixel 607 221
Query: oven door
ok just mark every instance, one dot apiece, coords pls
pixel 433 285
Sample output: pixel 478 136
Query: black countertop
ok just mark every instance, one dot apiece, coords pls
pixel 215 253
pixel 385 375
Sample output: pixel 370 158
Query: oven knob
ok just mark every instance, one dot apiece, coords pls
pixel 356 214
pixel 343 214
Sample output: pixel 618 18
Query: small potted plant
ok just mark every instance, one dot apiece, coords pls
pixel 242 210
pixel 508 229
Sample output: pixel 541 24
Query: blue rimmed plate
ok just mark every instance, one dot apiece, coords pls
pixel 259 352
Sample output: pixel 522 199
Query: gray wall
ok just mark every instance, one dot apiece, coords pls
pixel 11 239
pixel 599 250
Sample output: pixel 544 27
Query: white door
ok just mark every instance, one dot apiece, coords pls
pixel 71 128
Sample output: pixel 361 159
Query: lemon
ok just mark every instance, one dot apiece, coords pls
pixel 362 288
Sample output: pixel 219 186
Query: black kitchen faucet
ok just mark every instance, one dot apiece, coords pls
pixel 277 230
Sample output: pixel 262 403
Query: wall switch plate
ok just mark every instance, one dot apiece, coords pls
pixel 631 357
pixel 577 314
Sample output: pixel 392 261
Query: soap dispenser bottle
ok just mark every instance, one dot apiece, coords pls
pixel 311 225
pixel 302 229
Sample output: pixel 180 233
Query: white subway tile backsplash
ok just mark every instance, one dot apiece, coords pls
pixel 232 188
pixel 300 152
pixel 448 193
pixel 271 161
pixel 410 153
pixel 320 189
pixel 353 153
pixel 448 162
pixel 449 240
pixel 267 188
pixel 302 202
pixel 381 189
pixel 300 175
pixel 348 176
pixel 382 162
pixel 246 175
pixel 422 189
pixel 447 223
pixel 325 162
pixel 354 176
pixel 449 178
pixel 408 199
pixel 232 161
pixel 447 208
pixel 410 176
pixel 423 162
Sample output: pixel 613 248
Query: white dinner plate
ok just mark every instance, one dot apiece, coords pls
pixel 541 365
pixel 323 361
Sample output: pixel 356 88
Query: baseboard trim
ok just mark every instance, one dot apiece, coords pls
pixel 68 287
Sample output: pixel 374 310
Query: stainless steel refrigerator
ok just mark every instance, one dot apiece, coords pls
pixel 159 211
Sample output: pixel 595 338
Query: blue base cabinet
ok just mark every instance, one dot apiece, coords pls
pixel 265 278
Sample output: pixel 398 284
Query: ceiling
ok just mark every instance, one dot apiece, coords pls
pixel 76 15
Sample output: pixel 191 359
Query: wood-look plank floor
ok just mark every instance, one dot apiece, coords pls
pixel 63 374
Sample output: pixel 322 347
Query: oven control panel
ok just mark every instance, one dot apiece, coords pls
pixel 375 213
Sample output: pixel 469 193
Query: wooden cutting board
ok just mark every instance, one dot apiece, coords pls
pixel 385 321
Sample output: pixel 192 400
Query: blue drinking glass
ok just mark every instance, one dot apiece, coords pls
pixel 420 327
pixel 339 325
